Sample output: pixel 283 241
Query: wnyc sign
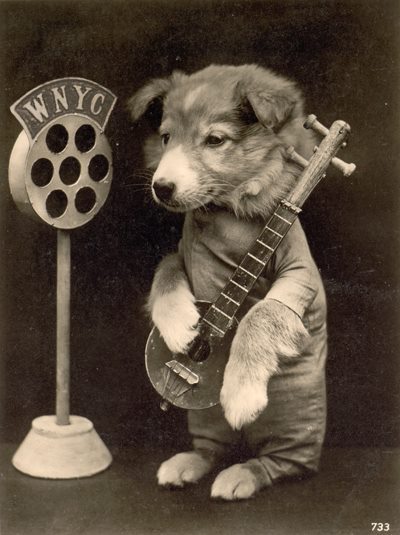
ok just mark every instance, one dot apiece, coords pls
pixel 65 96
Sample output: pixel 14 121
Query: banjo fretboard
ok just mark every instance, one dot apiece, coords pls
pixel 224 308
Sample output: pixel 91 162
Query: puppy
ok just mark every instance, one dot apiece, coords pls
pixel 219 156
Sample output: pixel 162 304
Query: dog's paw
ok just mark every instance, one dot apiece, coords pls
pixel 176 316
pixel 237 482
pixel 242 397
pixel 183 468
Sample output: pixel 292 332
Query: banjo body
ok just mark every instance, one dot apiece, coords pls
pixel 182 380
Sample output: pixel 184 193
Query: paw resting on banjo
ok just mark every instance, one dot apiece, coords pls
pixel 175 315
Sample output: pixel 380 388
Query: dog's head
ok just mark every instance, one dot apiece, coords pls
pixel 221 135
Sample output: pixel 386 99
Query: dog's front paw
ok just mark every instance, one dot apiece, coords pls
pixel 176 316
pixel 238 482
pixel 243 397
pixel 183 468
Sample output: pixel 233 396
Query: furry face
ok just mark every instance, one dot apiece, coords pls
pixel 222 136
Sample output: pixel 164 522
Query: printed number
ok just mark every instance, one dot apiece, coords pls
pixel 379 526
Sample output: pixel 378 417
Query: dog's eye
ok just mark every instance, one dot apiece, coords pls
pixel 214 141
pixel 165 139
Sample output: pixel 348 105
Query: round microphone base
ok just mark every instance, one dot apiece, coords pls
pixel 53 451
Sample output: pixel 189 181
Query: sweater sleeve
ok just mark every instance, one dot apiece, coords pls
pixel 295 275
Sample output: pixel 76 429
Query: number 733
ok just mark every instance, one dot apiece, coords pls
pixel 380 526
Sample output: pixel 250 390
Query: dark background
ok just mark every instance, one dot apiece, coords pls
pixel 345 57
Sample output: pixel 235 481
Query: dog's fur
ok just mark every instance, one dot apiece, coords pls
pixel 224 131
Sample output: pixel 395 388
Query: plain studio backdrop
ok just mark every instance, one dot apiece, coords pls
pixel 344 55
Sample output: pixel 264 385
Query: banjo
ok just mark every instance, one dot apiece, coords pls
pixel 193 380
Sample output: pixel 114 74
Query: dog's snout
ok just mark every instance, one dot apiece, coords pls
pixel 164 190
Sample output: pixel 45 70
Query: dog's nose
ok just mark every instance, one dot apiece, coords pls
pixel 164 190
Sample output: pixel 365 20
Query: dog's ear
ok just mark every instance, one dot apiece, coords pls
pixel 271 107
pixel 272 110
pixel 149 99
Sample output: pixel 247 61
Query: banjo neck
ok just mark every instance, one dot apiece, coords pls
pixel 220 314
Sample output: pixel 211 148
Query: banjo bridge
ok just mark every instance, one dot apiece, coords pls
pixel 178 380
pixel 183 372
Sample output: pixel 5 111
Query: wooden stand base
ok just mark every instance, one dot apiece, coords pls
pixel 54 451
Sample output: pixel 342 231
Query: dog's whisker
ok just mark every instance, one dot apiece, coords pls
pixel 142 178
pixel 133 188
pixel 143 173
pixel 138 185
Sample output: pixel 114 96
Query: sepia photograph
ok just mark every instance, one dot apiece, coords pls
pixel 199 274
